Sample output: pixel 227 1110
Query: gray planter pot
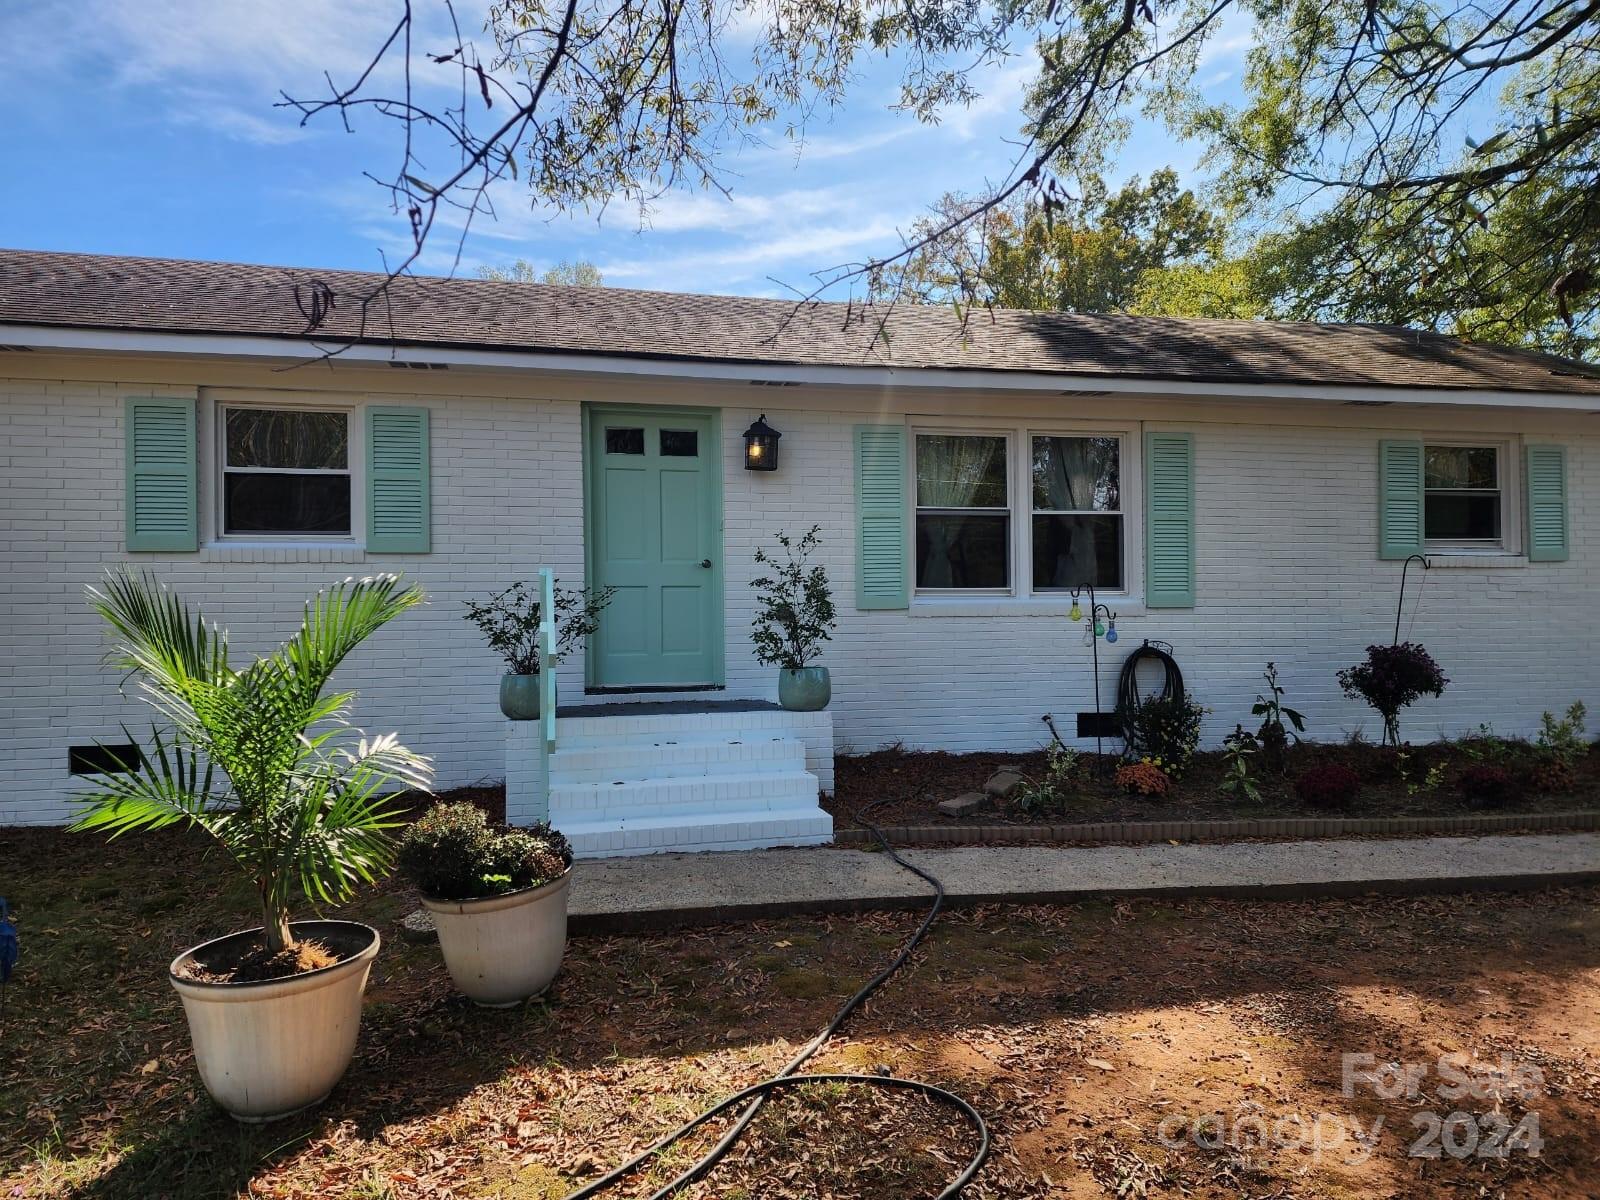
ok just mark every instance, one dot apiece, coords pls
pixel 519 697
pixel 807 689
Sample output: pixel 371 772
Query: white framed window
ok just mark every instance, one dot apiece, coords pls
pixel 1077 531
pixel 1024 510
pixel 963 512
pixel 1469 496
pixel 285 471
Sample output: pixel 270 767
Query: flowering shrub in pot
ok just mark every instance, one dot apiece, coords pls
pixel 498 898
pixel 1391 678
pixel 262 760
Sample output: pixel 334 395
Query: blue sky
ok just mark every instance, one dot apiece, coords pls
pixel 149 128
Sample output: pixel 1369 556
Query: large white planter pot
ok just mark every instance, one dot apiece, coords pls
pixel 502 949
pixel 269 1049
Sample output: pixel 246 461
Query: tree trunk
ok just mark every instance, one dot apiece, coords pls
pixel 274 925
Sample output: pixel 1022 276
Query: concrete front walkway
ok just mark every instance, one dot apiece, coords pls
pixel 665 890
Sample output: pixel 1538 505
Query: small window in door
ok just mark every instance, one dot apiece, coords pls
pixel 679 443
pixel 629 440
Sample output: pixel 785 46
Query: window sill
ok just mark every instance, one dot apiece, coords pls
pixel 1017 606
pixel 283 552
pixel 1480 560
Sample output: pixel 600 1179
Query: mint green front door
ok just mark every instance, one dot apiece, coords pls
pixel 653 525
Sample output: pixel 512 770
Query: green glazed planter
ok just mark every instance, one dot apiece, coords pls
pixel 519 697
pixel 807 689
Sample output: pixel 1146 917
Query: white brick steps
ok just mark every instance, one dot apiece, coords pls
pixel 596 760
pixel 738 791
pixel 729 831
pixel 724 780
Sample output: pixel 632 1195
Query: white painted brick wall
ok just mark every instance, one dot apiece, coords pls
pixel 507 496
pixel 1287 571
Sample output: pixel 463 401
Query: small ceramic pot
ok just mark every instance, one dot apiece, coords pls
pixel 502 949
pixel 267 1050
pixel 519 697
pixel 807 689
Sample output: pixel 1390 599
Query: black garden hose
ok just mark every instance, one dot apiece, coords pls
pixel 757 1093
pixel 1128 698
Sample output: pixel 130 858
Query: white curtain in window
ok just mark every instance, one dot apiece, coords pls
pixel 1067 472
pixel 950 470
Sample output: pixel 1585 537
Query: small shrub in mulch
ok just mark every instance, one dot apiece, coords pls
pixel 1143 779
pixel 1328 786
pixel 1486 783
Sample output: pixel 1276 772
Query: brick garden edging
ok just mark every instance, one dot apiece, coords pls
pixel 1183 831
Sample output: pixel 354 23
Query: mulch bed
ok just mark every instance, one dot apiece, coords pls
pixel 905 787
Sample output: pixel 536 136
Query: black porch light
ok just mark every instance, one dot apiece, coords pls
pixel 761 446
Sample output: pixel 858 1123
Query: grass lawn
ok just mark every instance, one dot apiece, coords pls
pixel 1075 1030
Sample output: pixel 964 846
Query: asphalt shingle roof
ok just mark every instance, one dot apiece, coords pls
pixel 176 296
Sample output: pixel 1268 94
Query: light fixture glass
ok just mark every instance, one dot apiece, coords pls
pixel 761 446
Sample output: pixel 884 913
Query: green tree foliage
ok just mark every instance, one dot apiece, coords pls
pixel 1434 164
pixel 1090 256
pixel 568 274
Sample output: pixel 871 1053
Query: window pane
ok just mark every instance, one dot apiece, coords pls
pixel 1076 473
pixel 1072 551
pixel 1463 516
pixel 624 441
pixel 956 551
pixel 1460 467
pixel 680 443
pixel 286 503
pixel 961 472
pixel 262 437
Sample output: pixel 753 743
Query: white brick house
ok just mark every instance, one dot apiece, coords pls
pixel 1304 447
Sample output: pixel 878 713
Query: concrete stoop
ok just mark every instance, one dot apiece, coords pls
pixel 652 781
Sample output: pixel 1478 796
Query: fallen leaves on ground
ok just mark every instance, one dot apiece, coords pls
pixel 1076 1030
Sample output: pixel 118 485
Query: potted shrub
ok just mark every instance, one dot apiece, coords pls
pixel 509 622
pixel 498 899
pixel 263 761
pixel 794 616
pixel 1391 678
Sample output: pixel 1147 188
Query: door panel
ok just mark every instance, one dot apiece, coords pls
pixel 653 526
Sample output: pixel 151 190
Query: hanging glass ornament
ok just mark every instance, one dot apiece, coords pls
pixel 1077 613
pixel 1099 629
pixel 1111 632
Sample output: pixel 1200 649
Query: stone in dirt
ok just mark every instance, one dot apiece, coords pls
pixel 1002 783
pixel 964 805
pixel 418 926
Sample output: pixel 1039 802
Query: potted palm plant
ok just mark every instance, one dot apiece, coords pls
pixel 498 898
pixel 794 616
pixel 509 622
pixel 262 758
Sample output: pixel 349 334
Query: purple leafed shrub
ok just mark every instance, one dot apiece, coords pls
pixel 1391 678
pixel 1328 786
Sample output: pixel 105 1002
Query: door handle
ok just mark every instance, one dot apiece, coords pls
pixel 706 563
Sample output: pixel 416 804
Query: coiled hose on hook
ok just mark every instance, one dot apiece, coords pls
pixel 756 1095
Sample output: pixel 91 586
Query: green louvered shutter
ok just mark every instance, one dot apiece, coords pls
pixel 1169 519
pixel 1547 503
pixel 161 512
pixel 398 495
pixel 882 578
pixel 1400 470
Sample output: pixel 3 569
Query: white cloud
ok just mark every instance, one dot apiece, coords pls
pixel 216 63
